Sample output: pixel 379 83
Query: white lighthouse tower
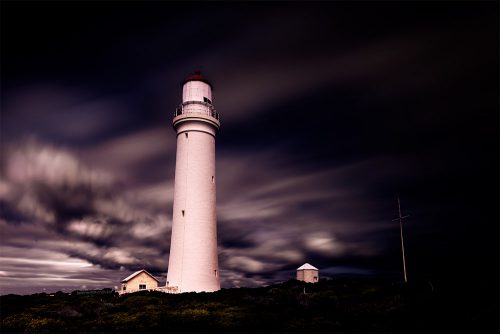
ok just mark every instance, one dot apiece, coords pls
pixel 193 263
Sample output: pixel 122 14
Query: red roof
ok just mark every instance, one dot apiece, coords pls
pixel 197 77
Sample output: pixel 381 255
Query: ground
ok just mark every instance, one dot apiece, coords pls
pixel 334 305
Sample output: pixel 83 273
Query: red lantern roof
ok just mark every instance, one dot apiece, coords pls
pixel 197 77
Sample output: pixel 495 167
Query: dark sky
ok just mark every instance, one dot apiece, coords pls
pixel 329 111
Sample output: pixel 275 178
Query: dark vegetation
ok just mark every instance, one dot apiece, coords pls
pixel 335 305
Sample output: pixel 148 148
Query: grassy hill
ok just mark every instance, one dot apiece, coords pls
pixel 337 305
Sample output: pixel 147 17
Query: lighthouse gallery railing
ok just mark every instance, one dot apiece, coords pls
pixel 210 111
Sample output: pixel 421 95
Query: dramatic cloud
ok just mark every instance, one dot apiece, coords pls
pixel 50 195
pixel 106 224
pixel 329 112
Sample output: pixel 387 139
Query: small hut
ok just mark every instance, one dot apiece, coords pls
pixel 308 273
pixel 139 281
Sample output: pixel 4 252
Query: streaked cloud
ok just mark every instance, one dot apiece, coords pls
pixel 325 120
pixel 114 224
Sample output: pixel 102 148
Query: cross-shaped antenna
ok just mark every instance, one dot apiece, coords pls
pixel 400 218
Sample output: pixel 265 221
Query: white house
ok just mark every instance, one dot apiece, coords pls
pixel 308 273
pixel 138 281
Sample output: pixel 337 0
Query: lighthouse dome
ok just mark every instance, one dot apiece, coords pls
pixel 197 76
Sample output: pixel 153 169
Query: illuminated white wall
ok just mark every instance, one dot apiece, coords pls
pixel 193 262
pixel 196 91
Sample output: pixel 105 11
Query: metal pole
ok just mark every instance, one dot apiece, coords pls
pixel 400 218
pixel 402 242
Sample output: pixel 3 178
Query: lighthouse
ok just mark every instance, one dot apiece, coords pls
pixel 193 262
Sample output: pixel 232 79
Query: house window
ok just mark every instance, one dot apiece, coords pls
pixel 142 286
pixel 124 288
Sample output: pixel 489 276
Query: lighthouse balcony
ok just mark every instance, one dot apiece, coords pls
pixel 190 107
